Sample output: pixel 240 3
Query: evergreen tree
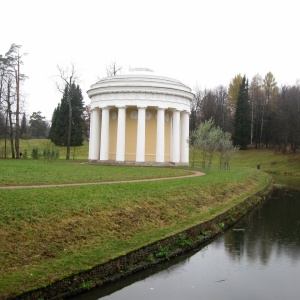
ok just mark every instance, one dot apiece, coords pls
pixel 54 132
pixel 24 129
pixel 233 90
pixel 38 125
pixel 242 120
pixel 60 119
pixel 78 125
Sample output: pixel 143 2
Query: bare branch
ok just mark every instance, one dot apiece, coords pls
pixel 66 77
pixel 113 69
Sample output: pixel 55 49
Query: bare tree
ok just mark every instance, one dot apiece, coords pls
pixel 113 69
pixel 67 77
pixel 8 102
pixel 2 76
pixel 14 62
pixel 211 103
pixel 286 124
pixel 10 82
pixel 270 90
pixel 195 109
pixel 87 120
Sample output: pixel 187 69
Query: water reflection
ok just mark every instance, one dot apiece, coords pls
pixel 258 259
pixel 273 229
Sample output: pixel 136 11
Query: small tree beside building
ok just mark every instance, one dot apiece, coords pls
pixel 60 119
pixel 209 140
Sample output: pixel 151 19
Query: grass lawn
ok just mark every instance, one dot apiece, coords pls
pixel 39 172
pixel 79 152
pixel 50 233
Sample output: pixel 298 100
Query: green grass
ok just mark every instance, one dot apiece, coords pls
pixel 39 172
pixel 270 161
pixel 78 152
pixel 50 233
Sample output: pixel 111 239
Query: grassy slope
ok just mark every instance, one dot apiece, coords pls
pixel 51 232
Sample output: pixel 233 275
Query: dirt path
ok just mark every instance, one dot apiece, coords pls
pixel 195 174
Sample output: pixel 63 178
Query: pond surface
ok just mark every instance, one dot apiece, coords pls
pixel 257 259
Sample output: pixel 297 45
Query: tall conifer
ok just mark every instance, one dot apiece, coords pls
pixel 242 120
pixel 23 129
pixel 59 124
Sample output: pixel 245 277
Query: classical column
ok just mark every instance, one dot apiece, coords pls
pixel 94 141
pixel 176 137
pixel 184 152
pixel 120 152
pixel 141 127
pixel 104 144
pixel 160 135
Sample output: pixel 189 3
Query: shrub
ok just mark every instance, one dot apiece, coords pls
pixel 50 153
pixel 35 153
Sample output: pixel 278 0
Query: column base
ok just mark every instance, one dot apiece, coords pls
pixel 136 163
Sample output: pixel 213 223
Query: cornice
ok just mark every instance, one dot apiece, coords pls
pixel 139 90
pixel 170 101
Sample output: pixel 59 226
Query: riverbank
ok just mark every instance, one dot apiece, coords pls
pixel 62 231
pixel 151 254
pixel 51 233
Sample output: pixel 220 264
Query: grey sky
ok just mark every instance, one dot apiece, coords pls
pixel 204 43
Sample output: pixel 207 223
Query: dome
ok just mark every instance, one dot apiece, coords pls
pixel 143 80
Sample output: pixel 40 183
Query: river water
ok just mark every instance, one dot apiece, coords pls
pixel 257 259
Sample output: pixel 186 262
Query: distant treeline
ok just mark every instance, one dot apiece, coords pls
pixel 270 113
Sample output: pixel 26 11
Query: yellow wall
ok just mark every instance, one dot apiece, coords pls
pixel 131 135
pixel 150 144
pixel 167 135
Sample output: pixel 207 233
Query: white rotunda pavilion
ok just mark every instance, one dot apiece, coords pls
pixel 139 117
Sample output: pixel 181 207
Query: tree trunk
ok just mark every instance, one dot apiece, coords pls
pixel 5 136
pixel 11 132
pixel 17 137
pixel 252 122
pixel 70 123
pixel 261 126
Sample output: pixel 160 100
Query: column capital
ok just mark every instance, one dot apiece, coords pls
pixel 95 109
pixel 185 111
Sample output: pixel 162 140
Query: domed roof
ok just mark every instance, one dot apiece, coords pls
pixel 140 80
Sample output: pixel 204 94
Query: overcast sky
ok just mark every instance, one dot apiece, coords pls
pixel 199 42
